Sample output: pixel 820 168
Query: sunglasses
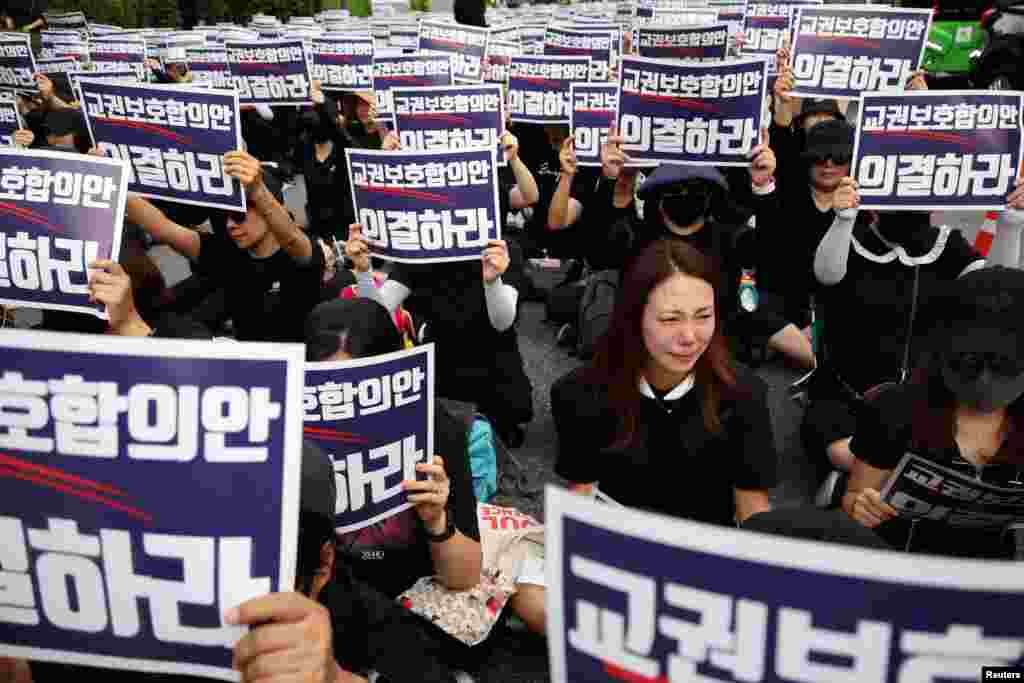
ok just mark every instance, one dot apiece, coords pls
pixel 973 364
pixel 694 188
pixel 837 159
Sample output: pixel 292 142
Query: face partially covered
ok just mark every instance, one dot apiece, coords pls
pixel 248 229
pixel 678 324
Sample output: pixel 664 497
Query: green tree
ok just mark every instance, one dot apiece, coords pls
pixel 161 13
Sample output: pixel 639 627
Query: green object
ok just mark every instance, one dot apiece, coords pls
pixel 360 8
pixel 954 42
pixel 420 5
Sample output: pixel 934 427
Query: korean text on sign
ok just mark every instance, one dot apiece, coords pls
pixel 499 57
pixel 842 52
pixel 593 114
pixel 452 117
pixel 600 46
pixel 688 113
pixel 538 87
pixel 426 207
pixel 691 43
pixel 60 212
pixel 636 596
pixel 374 417
pixel 466 47
pixel 407 70
pixel 767 24
pixel 100 444
pixel 274 73
pixel 174 138
pixel 209 67
pixel 10 121
pixel 938 150
pixel 343 64
pixel 17 64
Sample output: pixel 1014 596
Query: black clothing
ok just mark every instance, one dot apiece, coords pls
pixel 674 465
pixel 883 437
pixel 393 554
pixel 267 298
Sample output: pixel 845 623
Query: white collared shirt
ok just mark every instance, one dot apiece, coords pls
pixel 680 390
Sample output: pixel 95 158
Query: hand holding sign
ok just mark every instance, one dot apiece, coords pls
pixel 866 507
pixel 111 286
pixel 846 197
pixel 316 92
pixel 762 168
pixel 917 81
pixel 1016 198
pixel 430 496
pixel 357 249
pixel 510 144
pixel 495 260
pixel 23 137
pixel 291 640
pixel 390 142
pixel 612 156
pixel 567 156
pixel 45 86
pixel 246 168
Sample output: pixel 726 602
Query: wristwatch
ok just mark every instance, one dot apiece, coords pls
pixel 448 532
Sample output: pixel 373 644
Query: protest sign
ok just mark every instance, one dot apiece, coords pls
pixel 426 207
pixel 62 45
pixel 767 24
pixel 466 46
pixel 404 36
pixel 593 115
pixel 707 114
pixel 381 32
pixel 118 54
pixel 601 46
pixel 17 64
pixel 687 43
pixel 61 211
pixel 104 565
pixel 921 489
pixel 128 77
pixel 10 121
pixel 678 16
pixel 531 38
pixel 375 418
pixel 271 73
pixel 209 67
pixel 499 57
pixel 343 64
pixel 67 21
pixel 407 70
pixel 450 117
pixel 840 52
pixel 58 66
pixel 506 32
pixel 173 137
pixel 538 87
pixel 633 596
pixel 731 14
pixel 938 150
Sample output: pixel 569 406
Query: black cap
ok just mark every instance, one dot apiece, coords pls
pixel 819 105
pixel 318 492
pixel 829 138
pixel 667 175
pixel 980 312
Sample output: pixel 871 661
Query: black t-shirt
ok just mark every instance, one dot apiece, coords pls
pixel 393 554
pixel 866 314
pixel 267 298
pixel 884 436
pixel 674 466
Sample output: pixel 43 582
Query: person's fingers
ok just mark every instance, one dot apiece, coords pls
pixel 270 607
pixel 418 486
pixel 264 640
pixel 104 278
pixel 276 665
pixel 433 470
pixel 104 264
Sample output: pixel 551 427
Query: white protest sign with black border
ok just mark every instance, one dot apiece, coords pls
pixel 602 46
pixel 920 488
pixel 938 150
pixel 173 137
pixel 766 25
pixel 121 546
pixel 59 212
pixel 841 52
pixel 426 207
pixel 274 73
pixel 539 87
pixel 634 596
pixel 688 113
pixel 466 46
pixel 593 115
pixel 407 70
pixel 17 63
pixel 450 117
pixel 10 121
pixel 114 53
pixel 375 418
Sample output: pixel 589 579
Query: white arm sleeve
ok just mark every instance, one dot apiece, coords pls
pixel 1005 249
pixel 834 249
pixel 501 304
pixel 391 294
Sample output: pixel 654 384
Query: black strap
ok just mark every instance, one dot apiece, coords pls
pixel 905 369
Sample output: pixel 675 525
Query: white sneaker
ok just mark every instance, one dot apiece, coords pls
pixel 463 677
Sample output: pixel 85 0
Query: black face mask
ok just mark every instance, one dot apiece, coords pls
pixel 983 383
pixel 686 208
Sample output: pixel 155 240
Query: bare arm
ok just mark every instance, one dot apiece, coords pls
pixel 750 502
pixel 151 219
pixel 862 501
pixel 525 193
pixel 560 212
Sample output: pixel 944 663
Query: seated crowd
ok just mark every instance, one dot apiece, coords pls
pixel 662 416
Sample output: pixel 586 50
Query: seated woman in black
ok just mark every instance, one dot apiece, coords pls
pixel 963 409
pixel 661 417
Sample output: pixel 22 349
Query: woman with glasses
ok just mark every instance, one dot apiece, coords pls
pixel 963 409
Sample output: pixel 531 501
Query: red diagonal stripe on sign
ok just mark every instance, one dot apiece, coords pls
pixel 29 215
pixel 333 435
pixel 928 135
pixel 25 465
pixel 450 118
pixel 159 130
pixel 403 192
pixel 78 493
pixel 681 101
pixel 852 41
pixel 629 676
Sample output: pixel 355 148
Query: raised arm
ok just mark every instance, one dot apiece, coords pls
pixel 290 236
pixel 834 249
pixel 525 193
pixel 151 219
pixel 391 294
pixel 1006 246
pixel 564 210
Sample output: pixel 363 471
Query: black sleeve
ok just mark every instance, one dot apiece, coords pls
pixel 214 252
pixel 750 428
pixel 452 445
pixel 584 426
pixel 957 255
pixel 884 429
